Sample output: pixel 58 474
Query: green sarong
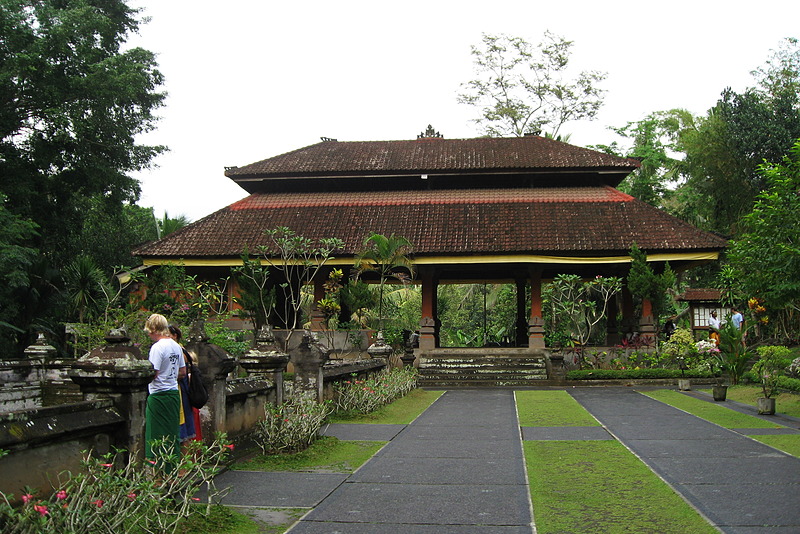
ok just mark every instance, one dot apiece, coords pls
pixel 162 424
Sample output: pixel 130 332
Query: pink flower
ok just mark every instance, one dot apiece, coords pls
pixel 61 495
pixel 27 498
pixel 98 502
pixel 42 509
pixel 195 498
pixel 230 446
pixel 107 465
pixel 131 496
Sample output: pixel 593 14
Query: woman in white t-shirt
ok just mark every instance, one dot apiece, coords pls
pixel 163 403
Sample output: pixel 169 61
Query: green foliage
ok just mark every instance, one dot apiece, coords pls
pixel 477 315
pixel 772 361
pixel 366 396
pixel 74 101
pixel 765 258
pixel 681 344
pixel 644 283
pixel 522 88
pixel 389 257
pixel 626 374
pixel 733 352
pixel 578 305
pixel 232 341
pixel 291 426
pixel 107 498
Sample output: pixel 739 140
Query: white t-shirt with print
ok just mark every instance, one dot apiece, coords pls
pixel 167 358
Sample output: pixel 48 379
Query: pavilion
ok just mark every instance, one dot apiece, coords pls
pixel 519 210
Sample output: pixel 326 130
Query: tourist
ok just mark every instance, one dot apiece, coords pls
pixel 714 326
pixel 163 410
pixel 189 429
pixel 736 319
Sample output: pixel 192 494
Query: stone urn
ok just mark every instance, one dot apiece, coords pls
pixel 766 406
pixel 118 364
pixel 719 392
pixel 265 358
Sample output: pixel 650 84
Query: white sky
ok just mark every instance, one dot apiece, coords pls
pixel 249 79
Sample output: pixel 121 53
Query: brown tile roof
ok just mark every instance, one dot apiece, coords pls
pixel 337 158
pixel 559 221
pixel 701 295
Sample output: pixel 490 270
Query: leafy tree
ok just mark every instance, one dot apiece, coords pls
pixel 168 224
pixel 644 283
pixel 16 262
pixel 85 283
pixel 581 304
pixel 522 88
pixel 73 103
pixel 389 258
pixel 765 258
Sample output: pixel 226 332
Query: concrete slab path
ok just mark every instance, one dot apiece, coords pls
pixel 459 468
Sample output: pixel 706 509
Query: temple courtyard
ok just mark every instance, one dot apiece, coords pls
pixel 460 467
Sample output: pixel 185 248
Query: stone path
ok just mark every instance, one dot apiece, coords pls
pixel 459 469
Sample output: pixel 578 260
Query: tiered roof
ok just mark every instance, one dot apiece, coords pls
pixel 468 197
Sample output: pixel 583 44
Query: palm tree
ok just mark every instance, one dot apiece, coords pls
pixel 85 283
pixel 387 256
pixel 168 224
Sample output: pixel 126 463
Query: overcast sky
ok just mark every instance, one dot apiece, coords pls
pixel 248 80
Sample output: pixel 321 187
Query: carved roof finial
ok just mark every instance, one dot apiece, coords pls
pixel 430 133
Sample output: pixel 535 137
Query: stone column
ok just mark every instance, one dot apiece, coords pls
pixel 521 338
pixel 428 325
pixel 266 360
pixel 215 364
pixel 647 327
pixel 308 359
pixel 118 371
pixel 536 323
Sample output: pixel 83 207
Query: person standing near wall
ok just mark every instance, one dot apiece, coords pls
pixel 163 409
pixel 714 326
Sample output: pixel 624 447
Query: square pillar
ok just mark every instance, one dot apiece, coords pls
pixel 535 322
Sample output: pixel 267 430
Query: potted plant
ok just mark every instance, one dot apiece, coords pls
pixel 772 360
pixel 681 349
pixel 709 353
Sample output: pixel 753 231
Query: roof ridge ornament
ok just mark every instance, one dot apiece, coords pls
pixel 328 139
pixel 430 133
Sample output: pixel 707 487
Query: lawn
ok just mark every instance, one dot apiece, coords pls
pixel 600 486
pixel 723 416
pixel 327 454
pixel 551 408
pixel 401 412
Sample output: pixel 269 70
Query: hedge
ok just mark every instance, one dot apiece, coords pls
pixel 624 374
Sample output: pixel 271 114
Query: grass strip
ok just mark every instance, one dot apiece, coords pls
pixel 551 408
pixel 326 455
pixel 400 412
pixel 785 403
pixel 788 443
pixel 714 413
pixel 223 520
pixel 599 486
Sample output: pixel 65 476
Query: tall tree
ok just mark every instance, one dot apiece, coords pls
pixel 765 258
pixel 522 88
pixel 71 105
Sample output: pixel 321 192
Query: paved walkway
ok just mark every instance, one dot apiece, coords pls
pixel 459 469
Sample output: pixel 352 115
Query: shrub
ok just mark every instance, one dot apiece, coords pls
pixel 291 426
pixel 365 396
pixel 772 360
pixel 625 374
pixel 136 498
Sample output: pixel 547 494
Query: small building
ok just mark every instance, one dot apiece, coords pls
pixel 703 301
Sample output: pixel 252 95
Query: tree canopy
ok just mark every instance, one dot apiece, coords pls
pixel 73 102
pixel 523 89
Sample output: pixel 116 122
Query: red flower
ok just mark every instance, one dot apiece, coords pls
pixel 42 509
pixel 61 495
pixel 230 446
pixel 27 498
pixel 107 465
pixel 98 502
pixel 131 496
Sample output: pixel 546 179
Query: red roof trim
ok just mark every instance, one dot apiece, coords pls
pixel 431 197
